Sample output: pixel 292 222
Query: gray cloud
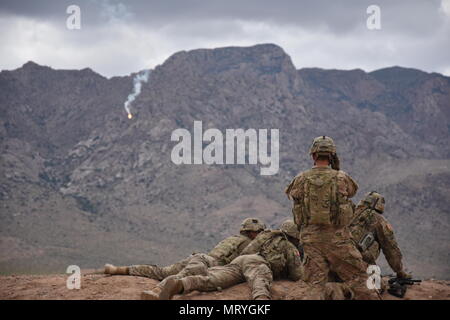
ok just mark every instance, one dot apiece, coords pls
pixel 119 37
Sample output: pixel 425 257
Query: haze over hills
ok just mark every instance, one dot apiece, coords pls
pixel 81 184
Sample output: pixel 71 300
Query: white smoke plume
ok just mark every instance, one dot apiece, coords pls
pixel 137 85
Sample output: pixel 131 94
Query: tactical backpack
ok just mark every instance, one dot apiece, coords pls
pixel 320 200
pixel 359 226
pixel 272 251
pixel 362 236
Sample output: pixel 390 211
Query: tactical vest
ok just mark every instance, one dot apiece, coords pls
pixel 228 249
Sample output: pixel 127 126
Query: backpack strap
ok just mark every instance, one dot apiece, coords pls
pixel 334 205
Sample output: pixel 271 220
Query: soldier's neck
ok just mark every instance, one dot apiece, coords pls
pixel 321 163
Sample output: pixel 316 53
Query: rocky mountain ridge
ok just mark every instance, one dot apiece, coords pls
pixel 82 184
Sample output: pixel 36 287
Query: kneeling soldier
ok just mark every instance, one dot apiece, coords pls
pixel 372 233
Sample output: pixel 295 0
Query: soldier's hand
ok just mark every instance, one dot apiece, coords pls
pixel 403 275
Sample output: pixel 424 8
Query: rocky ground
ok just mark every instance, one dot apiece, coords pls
pixel 102 287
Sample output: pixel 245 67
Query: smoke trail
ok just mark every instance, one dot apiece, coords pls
pixel 137 85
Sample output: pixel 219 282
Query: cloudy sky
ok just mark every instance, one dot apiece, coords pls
pixel 120 37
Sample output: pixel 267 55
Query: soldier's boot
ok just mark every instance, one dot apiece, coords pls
pixel 165 291
pixel 333 291
pixel 113 270
pixel 151 294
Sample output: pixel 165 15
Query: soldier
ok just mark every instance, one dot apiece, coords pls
pixel 371 233
pixel 322 210
pixel 224 252
pixel 272 254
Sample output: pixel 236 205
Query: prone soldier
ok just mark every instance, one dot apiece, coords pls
pixel 224 252
pixel 272 254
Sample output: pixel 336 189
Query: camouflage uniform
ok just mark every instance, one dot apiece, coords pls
pixel 197 263
pixel 322 210
pixel 270 255
pixel 371 233
pixel 251 268
pixel 223 253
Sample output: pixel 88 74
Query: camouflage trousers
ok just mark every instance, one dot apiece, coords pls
pixel 338 256
pixel 196 264
pixel 251 268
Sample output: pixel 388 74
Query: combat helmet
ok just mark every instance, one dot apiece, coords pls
pixel 322 144
pixel 373 200
pixel 290 228
pixel 252 224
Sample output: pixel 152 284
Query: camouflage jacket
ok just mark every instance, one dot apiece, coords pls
pixel 369 221
pixel 340 207
pixel 228 249
pixel 281 255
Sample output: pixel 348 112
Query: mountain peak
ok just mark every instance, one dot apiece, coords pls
pixel 266 58
pixel 32 65
pixel 398 71
pixel 399 77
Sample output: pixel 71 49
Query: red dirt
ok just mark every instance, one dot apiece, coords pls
pixel 100 287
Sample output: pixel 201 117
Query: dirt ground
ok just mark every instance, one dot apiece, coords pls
pixel 101 287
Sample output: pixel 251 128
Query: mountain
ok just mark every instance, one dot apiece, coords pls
pixel 82 184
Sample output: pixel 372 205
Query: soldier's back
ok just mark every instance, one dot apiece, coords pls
pixel 228 249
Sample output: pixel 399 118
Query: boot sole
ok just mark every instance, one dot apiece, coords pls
pixel 171 287
pixel 149 295
pixel 109 268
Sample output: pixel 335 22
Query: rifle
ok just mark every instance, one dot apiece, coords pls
pixel 398 286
